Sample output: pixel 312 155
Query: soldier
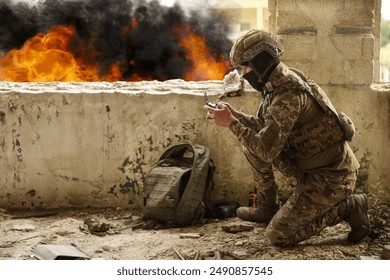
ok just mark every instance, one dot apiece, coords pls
pixel 297 131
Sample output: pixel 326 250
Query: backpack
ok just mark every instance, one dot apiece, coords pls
pixel 177 188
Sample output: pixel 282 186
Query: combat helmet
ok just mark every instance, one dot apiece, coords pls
pixel 253 43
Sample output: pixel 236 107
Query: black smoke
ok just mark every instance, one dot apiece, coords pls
pixel 101 28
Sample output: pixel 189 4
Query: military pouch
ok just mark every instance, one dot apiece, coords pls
pixel 177 187
pixel 347 126
pixel 165 186
pixel 315 136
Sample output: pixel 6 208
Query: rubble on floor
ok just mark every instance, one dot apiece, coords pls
pixel 121 234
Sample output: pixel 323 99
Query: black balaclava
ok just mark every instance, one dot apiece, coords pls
pixel 262 66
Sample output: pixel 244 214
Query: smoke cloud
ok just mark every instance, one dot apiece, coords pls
pixel 102 28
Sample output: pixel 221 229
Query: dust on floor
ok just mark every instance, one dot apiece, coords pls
pixel 117 234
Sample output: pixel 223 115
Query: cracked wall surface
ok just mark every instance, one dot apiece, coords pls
pixel 80 145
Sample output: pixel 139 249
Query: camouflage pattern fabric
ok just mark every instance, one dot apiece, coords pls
pixel 291 129
pixel 297 131
pixel 253 43
pixel 312 207
pixel 262 171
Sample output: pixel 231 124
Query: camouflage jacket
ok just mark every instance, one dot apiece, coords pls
pixel 291 129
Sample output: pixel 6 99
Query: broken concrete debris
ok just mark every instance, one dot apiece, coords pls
pixel 96 227
pixel 22 225
pixel 386 252
pixel 240 253
pixel 199 242
pixel 237 227
pixel 190 235
pixel 213 255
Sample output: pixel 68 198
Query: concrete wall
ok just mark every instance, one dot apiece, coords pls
pixel 332 41
pixel 78 145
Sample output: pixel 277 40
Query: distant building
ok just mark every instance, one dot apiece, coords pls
pixel 243 15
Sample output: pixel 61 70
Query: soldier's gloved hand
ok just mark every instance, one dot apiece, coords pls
pixel 234 112
pixel 222 116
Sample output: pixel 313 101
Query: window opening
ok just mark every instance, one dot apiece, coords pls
pixel 385 42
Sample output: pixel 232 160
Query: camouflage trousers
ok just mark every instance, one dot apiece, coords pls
pixel 313 205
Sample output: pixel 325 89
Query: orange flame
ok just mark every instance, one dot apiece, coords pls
pixel 206 64
pixel 47 58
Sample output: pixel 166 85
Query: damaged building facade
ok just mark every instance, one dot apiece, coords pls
pixel 91 144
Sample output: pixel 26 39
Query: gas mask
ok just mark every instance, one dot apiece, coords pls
pixel 262 66
pixel 254 80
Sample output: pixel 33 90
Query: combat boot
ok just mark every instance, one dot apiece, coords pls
pixel 267 205
pixel 263 214
pixel 356 216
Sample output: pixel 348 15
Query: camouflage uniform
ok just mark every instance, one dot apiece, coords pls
pixel 297 132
